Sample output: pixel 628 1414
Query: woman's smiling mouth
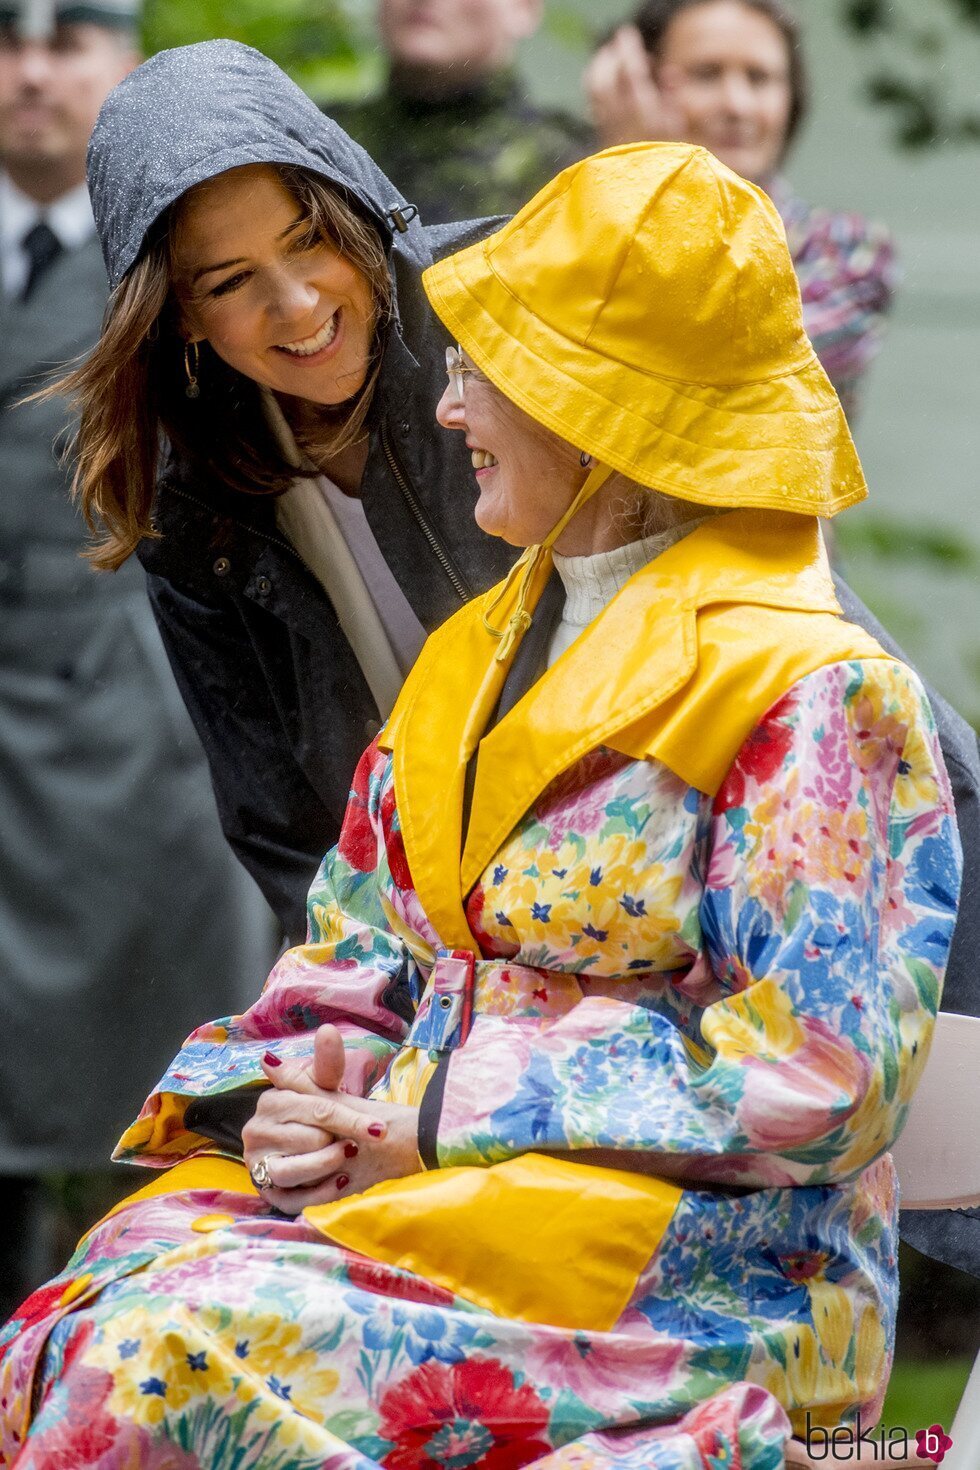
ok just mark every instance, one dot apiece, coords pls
pixel 482 459
pixel 306 347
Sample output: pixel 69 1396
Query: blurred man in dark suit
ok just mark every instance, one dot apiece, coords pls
pixel 124 919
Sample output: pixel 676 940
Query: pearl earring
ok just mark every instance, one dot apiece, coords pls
pixel 585 459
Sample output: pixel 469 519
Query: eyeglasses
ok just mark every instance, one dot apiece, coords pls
pixel 455 369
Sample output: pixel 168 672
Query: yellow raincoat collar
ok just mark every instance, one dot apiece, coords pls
pixel 638 658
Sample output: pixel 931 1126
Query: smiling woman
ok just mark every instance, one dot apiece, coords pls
pixel 261 275
pixel 730 75
pixel 510 450
pixel 274 276
pixel 256 422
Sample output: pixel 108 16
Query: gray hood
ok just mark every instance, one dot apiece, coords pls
pixel 195 112
pixel 189 114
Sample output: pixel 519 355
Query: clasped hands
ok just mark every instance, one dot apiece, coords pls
pixel 319 1142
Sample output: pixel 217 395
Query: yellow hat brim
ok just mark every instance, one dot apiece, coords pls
pixel 781 443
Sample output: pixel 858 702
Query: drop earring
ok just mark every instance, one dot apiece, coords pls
pixel 585 459
pixel 192 366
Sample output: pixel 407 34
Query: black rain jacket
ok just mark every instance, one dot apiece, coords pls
pixel 271 683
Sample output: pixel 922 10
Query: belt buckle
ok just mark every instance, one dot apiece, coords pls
pixel 446 1013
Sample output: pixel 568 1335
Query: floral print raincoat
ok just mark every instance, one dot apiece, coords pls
pixel 735 990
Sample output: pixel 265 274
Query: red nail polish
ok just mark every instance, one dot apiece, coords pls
pixel 342 1181
pixel 272 1060
pixel 350 1150
pixel 376 1130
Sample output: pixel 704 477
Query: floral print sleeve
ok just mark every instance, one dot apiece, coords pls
pixel 831 869
pixel 353 971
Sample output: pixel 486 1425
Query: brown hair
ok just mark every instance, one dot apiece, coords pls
pixel 653 21
pixel 130 391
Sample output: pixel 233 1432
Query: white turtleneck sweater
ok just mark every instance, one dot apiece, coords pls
pixel 591 582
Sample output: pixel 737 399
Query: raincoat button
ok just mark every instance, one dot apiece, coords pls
pixel 221 567
pixel 263 586
pixel 76 1288
pixel 205 1224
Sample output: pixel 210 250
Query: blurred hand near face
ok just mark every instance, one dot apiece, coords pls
pixel 720 78
pixel 627 105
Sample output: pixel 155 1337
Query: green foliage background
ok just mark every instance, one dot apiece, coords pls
pixel 912 47
pixel 326 45
pixel 329 47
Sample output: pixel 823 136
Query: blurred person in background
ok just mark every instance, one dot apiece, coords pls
pixel 124 918
pixel 729 74
pixel 453 126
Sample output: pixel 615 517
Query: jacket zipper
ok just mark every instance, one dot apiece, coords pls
pixel 411 500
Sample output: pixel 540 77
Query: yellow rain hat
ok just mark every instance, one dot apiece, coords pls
pixel 643 306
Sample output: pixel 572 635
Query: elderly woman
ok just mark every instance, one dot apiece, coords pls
pixel 619 982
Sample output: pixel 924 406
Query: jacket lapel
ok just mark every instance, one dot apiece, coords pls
pixel 599 684
pixel 635 656
pixel 642 650
pixel 433 731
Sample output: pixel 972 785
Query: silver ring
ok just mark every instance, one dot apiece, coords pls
pixel 260 1176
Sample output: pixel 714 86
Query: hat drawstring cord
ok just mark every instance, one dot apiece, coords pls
pixel 527 564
